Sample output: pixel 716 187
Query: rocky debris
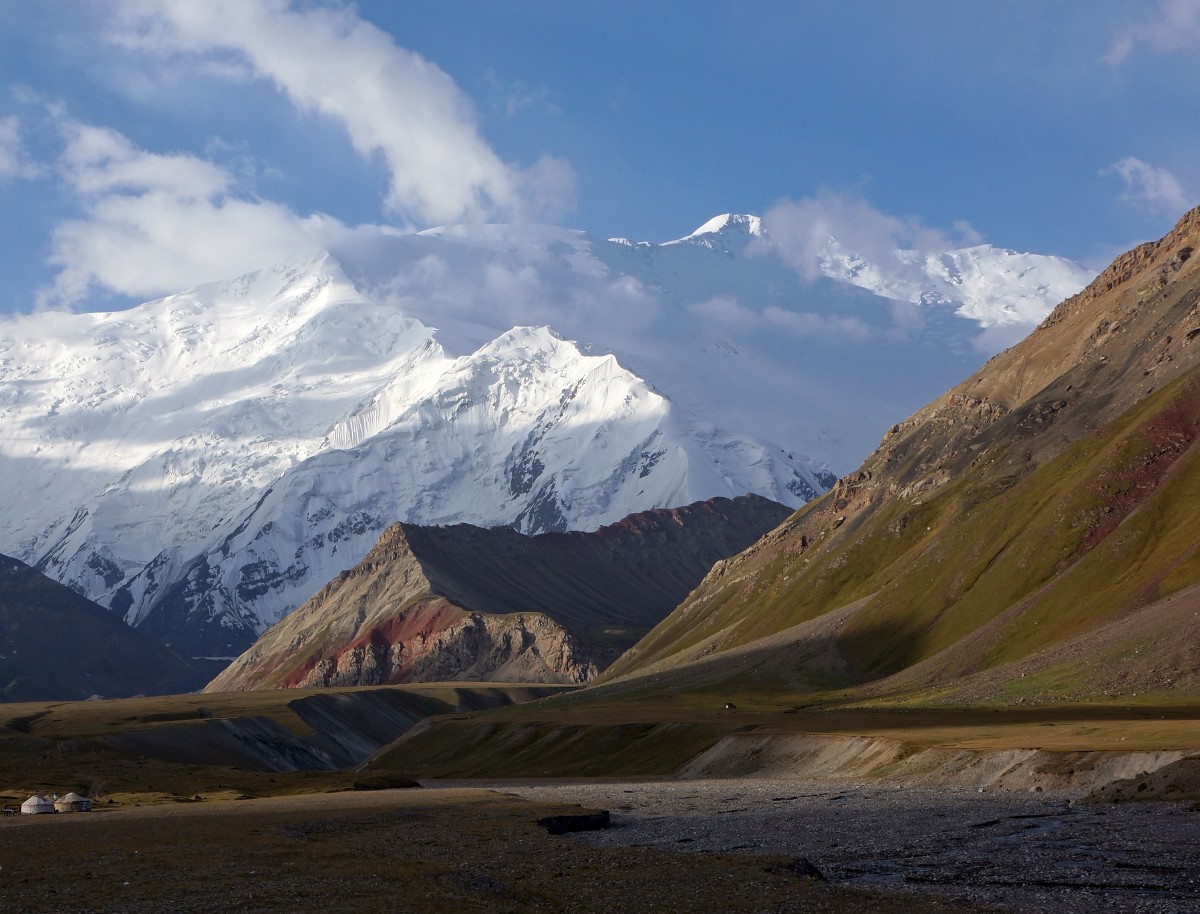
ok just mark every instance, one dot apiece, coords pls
pixel 802 867
pixel 1037 853
pixel 584 821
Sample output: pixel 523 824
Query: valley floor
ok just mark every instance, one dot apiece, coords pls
pixel 432 850
pixel 1022 852
pixel 675 845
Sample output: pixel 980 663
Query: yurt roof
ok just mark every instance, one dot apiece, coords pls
pixel 72 797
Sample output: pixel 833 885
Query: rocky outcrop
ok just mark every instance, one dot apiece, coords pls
pixel 467 603
pixel 524 647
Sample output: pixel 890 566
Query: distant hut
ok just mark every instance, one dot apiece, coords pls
pixel 72 802
pixel 36 805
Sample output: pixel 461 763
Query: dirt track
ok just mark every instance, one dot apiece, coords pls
pixel 1024 852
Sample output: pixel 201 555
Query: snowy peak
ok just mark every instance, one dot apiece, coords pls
pixel 729 233
pixel 990 285
pixel 729 224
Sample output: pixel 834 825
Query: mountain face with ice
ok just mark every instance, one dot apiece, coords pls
pixel 202 464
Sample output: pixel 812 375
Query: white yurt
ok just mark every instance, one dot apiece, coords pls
pixel 72 802
pixel 35 805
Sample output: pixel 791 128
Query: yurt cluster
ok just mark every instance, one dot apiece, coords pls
pixel 72 802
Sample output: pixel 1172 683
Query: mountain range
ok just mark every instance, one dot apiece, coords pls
pixel 1029 536
pixel 204 463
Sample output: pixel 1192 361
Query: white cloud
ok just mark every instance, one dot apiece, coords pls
pixel 1174 25
pixel 99 160
pixel 1148 186
pixel 155 223
pixel 498 293
pixel 803 229
pixel 393 104
pixel 14 161
pixel 733 315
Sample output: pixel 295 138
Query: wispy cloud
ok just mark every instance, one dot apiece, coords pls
pixel 15 161
pixel 394 105
pixel 1148 186
pixel 512 97
pixel 1172 25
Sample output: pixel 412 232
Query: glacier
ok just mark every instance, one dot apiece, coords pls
pixel 205 462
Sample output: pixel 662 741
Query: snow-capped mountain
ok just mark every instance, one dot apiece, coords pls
pixel 205 462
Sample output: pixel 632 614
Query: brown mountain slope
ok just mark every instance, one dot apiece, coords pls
pixel 461 602
pixel 1016 538
pixel 57 645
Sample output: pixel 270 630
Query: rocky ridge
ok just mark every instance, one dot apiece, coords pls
pixel 57 645
pixel 468 603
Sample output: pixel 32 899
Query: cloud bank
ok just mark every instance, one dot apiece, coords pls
pixel 151 223
pixel 394 105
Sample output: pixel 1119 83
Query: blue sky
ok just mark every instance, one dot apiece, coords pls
pixel 146 145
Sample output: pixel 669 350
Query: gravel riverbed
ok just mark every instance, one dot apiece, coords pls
pixel 1028 853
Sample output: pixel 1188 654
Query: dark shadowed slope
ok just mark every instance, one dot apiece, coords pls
pixel 55 644
pixel 1033 534
pixel 462 602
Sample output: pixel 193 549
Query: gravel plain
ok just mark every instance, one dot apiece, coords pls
pixel 1021 852
pixel 398 851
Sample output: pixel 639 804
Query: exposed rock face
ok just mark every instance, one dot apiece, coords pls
pixel 524 647
pixel 57 645
pixel 1022 536
pixel 466 603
